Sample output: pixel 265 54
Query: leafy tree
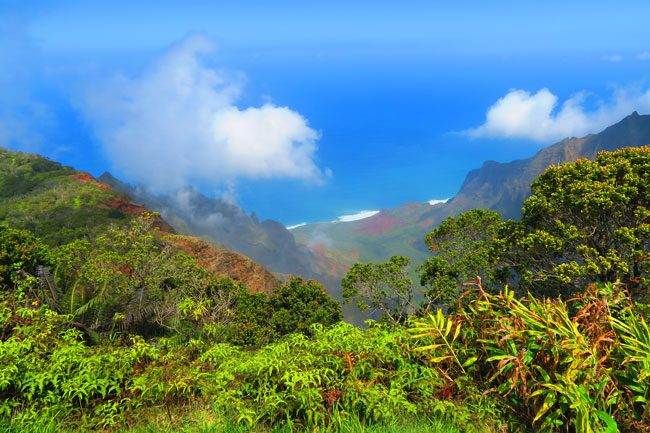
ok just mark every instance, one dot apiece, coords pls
pixel 22 260
pixel 246 321
pixel 381 287
pixel 461 248
pixel 299 304
pixel 128 277
pixel 587 221
pixel 238 317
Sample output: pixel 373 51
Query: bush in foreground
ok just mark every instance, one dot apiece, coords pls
pixel 582 365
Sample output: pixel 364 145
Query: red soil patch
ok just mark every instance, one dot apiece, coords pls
pixel 380 223
pixel 118 203
pixel 84 177
pixel 427 223
pixel 102 185
pixel 135 210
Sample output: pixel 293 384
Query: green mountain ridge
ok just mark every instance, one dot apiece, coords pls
pixel 55 202
pixel 60 204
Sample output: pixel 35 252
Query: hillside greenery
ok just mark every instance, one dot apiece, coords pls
pixel 534 325
pixel 54 202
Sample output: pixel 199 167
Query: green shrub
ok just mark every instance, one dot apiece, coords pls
pixel 47 370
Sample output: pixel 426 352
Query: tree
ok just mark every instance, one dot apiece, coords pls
pixel 586 221
pixel 461 248
pixel 299 304
pixel 23 258
pixel 128 275
pixel 381 287
pixel 248 319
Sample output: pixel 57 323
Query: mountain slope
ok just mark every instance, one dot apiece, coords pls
pixel 504 186
pixel 499 186
pixel 190 212
pixel 219 261
pixel 60 204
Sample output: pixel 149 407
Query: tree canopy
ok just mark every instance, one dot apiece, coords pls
pixel 586 221
pixel 383 288
pixel 298 304
pixel 461 252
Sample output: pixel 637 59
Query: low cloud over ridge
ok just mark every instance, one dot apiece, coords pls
pixel 539 117
pixel 178 123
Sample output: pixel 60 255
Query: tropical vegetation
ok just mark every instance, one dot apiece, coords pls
pixel 532 325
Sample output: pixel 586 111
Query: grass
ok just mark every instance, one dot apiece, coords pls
pixel 204 421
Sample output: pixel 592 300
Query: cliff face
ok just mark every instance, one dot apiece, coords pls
pixel 504 186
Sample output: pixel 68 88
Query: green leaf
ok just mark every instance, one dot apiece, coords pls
pixel 470 361
pixel 440 358
pixel 610 422
pixel 549 401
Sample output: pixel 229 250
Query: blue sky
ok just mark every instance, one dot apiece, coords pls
pixel 304 111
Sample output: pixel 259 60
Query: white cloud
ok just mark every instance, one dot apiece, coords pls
pixel 614 58
pixel 520 114
pixel 178 123
pixel 357 216
pixel 437 201
pixel 296 226
pixel 645 55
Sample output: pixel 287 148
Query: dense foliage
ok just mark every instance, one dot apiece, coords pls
pixel 21 256
pixel 581 365
pixel 46 369
pixel 298 305
pixel 587 221
pixel 115 325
